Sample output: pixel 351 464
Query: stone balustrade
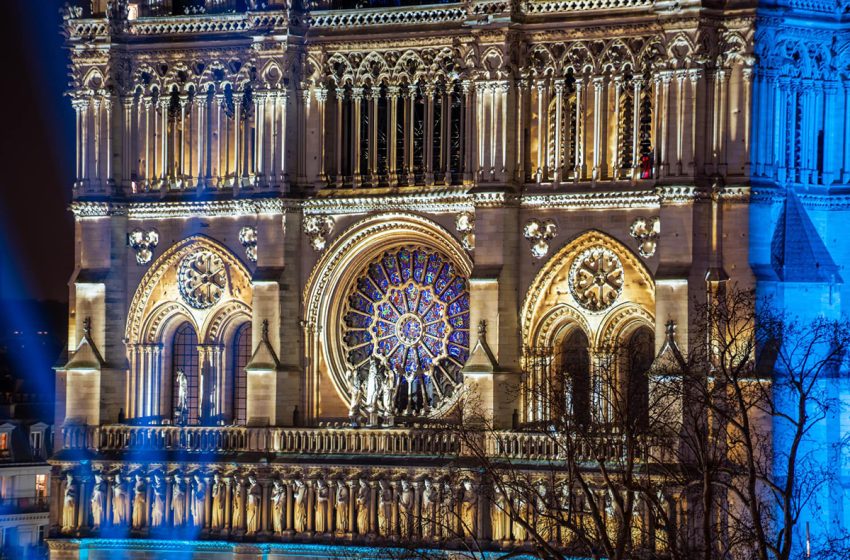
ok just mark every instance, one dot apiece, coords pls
pixel 512 445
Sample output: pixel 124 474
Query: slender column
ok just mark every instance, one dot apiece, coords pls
pixel 303 119
pixel 680 120
pixel 615 145
pixel 445 117
pixel 200 105
pixel 392 134
pixel 237 145
pixel 581 137
pixel 356 98
pixel 271 120
pixel 339 93
pixel 429 134
pixel 282 99
pixel 163 138
pixel 79 106
pixel 409 144
pixel 693 80
pixel 181 165
pixel 107 106
pixel 558 141
pixel 492 161
pixel 96 172
pixel 521 85
pixel 638 85
pixel 599 113
pixel 480 128
pixel 321 97
pixel 662 91
pixel 467 88
pixel 149 148
pixel 260 174
pixel 372 135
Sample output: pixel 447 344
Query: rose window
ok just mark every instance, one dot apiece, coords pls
pixel 413 306
pixel 596 278
pixel 202 279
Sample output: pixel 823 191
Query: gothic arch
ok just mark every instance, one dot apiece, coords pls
pixel 147 312
pixel 336 272
pixel 549 300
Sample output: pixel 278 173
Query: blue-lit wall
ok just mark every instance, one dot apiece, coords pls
pixel 800 214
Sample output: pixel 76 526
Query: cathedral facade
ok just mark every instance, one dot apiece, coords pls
pixel 305 231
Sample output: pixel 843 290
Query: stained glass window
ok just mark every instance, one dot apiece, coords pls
pixel 413 305
pixel 241 356
pixel 184 357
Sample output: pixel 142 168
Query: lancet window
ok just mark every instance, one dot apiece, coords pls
pixel 639 356
pixel 241 352
pixel 185 360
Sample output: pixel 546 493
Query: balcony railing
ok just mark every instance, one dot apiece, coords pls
pixel 398 442
pixel 23 505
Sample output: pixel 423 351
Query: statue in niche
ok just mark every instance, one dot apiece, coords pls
pixel 373 388
pixel 342 499
pixel 388 396
pixel 69 504
pixel 356 399
pixel 499 520
pixel 405 509
pixel 236 521
pixel 410 379
pixel 300 507
pixel 178 501
pixel 158 509
pixel 139 502
pixel 429 506
pixel 119 501
pixel 255 494
pixel 448 515
pixel 199 495
pixel 182 396
pixel 278 506
pixel 385 508
pixel 219 496
pixel 98 494
pixel 520 506
pixel 469 501
pixel 364 500
pixel 323 495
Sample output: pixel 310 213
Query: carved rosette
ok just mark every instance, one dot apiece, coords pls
pixel 202 279
pixel 596 278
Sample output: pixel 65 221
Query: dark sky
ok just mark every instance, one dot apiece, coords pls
pixel 36 154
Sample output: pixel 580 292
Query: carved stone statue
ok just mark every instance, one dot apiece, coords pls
pixel 364 501
pixel 252 514
pixel 236 520
pixel 69 505
pixel 356 399
pixel 119 501
pixel 373 388
pixel 182 394
pixel 300 507
pixel 405 509
pixel 448 515
pixel 388 396
pixel 219 496
pixel 199 495
pixel 499 519
pixel 158 509
pixel 322 506
pixel 468 506
pixel 430 498
pixel 343 498
pixel 139 502
pixel 278 506
pixel 98 495
pixel 385 508
pixel 178 501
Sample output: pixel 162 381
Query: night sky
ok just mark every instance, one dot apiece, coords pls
pixel 37 144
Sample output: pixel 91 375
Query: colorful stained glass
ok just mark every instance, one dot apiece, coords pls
pixel 412 305
pixel 460 337
pixel 459 305
pixel 376 272
pixel 456 288
pixel 356 320
pixel 420 259
pixel 391 266
pixel 368 289
pixel 404 263
pixel 412 293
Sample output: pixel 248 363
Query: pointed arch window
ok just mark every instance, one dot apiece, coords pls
pixel 241 356
pixel 640 354
pixel 575 363
pixel 184 357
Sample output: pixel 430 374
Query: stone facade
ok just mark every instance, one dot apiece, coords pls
pixel 268 198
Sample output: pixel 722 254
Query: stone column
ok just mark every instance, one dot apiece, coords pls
pixel 430 91
pixel 637 83
pixel 339 93
pixel 356 99
pixel 392 134
pixel 542 129
pixel 558 140
pixel 321 97
pixel 410 114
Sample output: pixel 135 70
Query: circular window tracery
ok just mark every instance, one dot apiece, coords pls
pixel 202 279
pixel 596 278
pixel 413 305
